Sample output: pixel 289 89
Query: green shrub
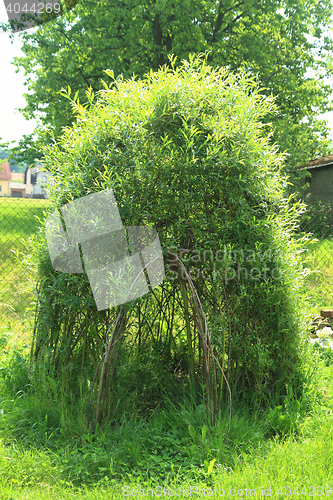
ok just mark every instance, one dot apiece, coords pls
pixel 185 152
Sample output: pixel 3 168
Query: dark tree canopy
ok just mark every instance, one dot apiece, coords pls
pixel 277 40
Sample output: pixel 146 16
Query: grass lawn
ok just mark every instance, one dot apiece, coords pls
pixel 46 452
pixel 17 222
pixel 160 453
pixel 320 282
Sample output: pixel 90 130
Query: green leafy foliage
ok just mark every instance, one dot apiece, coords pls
pixel 277 41
pixel 285 418
pixel 185 152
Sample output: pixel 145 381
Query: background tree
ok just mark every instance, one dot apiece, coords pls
pixel 277 40
pixel 4 153
pixel 4 156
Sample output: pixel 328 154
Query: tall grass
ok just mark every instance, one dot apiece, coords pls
pixel 37 461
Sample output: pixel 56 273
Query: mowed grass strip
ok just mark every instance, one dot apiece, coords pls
pixel 284 468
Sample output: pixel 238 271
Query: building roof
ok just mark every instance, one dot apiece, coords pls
pixel 17 176
pixel 5 174
pixel 323 161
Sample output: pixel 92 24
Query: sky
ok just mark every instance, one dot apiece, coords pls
pixel 12 124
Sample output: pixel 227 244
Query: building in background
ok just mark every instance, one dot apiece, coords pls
pixel 321 180
pixel 28 185
pixel 5 178
pixel 35 178
pixel 17 186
